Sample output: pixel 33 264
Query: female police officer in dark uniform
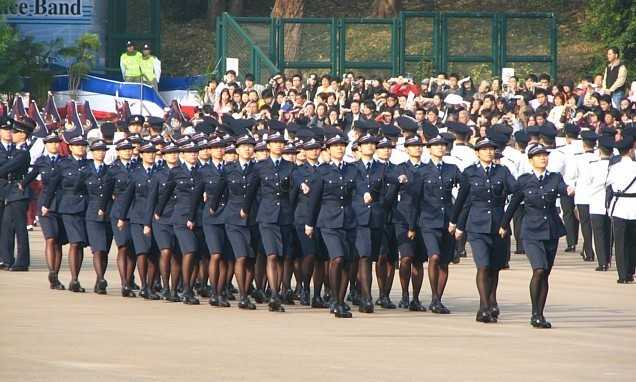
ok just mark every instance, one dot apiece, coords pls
pixel 435 204
pixel 334 215
pixel 541 226
pixel 180 186
pixel 118 177
pixel 481 199
pixel 135 209
pixel 69 185
pixel 98 228
pixel 211 188
pixel 51 223
pixel 162 231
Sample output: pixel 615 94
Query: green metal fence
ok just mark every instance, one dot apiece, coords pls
pixel 475 43
pixel 233 41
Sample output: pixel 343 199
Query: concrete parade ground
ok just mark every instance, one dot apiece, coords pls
pixel 51 336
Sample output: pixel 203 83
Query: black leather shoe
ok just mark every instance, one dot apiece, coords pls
pixel 4 266
pixel 520 252
pixel 387 303
pixel 214 300
pixel 588 258
pixel 545 324
pixel 243 303
pixel 483 316
pixel 602 268
pixel 134 286
pixel 442 309
pixel 173 296
pixel 341 312
pixel 100 287
pixel 144 293
pixel 416 306
pixel 304 298
pixel 259 296
pixel 164 293
pixel 332 307
pixel 506 266
pixel 152 295
pixel 127 292
pixel 18 269
pixel 318 303
pixel 622 281
pixel 232 289
pixel 570 248
pixel 58 286
pixel 275 304
pixel 189 299
pixel 404 302
pixel 250 304
pixel 456 259
pixel 223 302
pixel 75 286
pixel 204 291
pixel 366 306
pixel 494 311
pixel 288 298
pixel 379 300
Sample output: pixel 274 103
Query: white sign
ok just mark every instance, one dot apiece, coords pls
pixel 506 73
pixel 232 64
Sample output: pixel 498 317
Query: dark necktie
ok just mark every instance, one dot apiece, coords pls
pixel 487 171
pixel 541 178
pixel 276 163
pixel 439 167
pixel 128 166
pixel 368 167
pixel 149 171
pixel 99 170
pixel 220 167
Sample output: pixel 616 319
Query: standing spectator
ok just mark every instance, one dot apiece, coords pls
pixel 614 76
pixel 130 63
pixel 150 67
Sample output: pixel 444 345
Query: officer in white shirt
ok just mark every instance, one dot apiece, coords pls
pixel 622 207
pixel 464 153
pixel 601 223
pixel 582 181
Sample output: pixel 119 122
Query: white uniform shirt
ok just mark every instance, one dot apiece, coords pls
pixel 465 154
pixel 514 158
pixel 581 176
pixel 598 175
pixel 620 176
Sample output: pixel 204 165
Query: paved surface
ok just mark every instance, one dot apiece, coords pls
pixel 60 336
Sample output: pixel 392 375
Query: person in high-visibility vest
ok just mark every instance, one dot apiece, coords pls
pixel 130 63
pixel 150 67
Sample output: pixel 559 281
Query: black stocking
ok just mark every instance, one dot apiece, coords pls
pixel 186 271
pixel 483 286
pixel 494 283
pixel 417 277
pixel 433 276
pixel 164 267
pixel 122 261
pixel 175 271
pixel 544 292
pixel 405 275
pixel 260 270
pixel 214 271
pixel 536 290
pixel 441 280
pixel 273 274
pixel 319 277
pixel 285 272
pixel 307 269
pixel 239 272
pixel 142 269
pixel 335 275
pixel 381 274
pixel 98 264
pixel 364 277
pixel 74 260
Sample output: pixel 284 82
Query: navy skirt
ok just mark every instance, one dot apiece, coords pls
pixel 53 227
pixel 240 239
pixel 122 237
pixel 489 250
pixel 141 242
pixel 439 242
pixel 389 246
pixel 75 228
pixel 164 235
pixel 368 242
pixel 215 237
pixel 541 253
pixel 278 240
pixel 339 242
pixel 410 248
pixel 100 235
pixel 186 238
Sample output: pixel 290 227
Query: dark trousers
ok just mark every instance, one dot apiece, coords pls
pixel 516 220
pixel 569 220
pixel 602 231
pixel 12 231
pixel 586 229
pixel 624 246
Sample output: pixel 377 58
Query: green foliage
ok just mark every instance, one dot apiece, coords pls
pixel 82 55
pixel 613 22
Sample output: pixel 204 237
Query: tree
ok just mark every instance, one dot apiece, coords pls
pixel 217 7
pixel 83 56
pixel 293 32
pixel 386 8
pixel 613 22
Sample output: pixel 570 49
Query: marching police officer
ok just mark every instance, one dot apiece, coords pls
pixel 161 226
pixel 98 229
pixel 118 178
pixel 69 186
pixel 600 220
pixel 135 210
pixel 331 203
pixel 435 206
pixel 541 227
pixel 51 224
pixel 621 180
pixel 180 185
pixel 16 199
pixel 238 215
pixel 582 179
pixel 480 202
pixel 369 208
pixel 306 178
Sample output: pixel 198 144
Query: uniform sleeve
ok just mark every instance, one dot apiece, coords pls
pixel 516 200
pixel 127 199
pixel 152 201
pixel 562 188
pixel 315 195
pixel 14 163
pixel 511 183
pixel 254 181
pixel 166 193
pixel 462 195
pixel 49 192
